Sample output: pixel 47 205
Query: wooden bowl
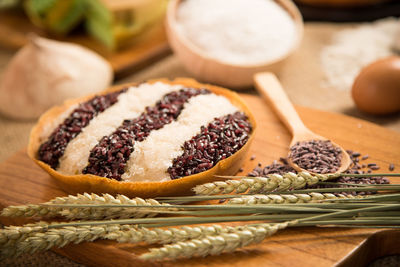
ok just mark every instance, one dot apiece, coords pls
pixel 214 71
pixel 81 183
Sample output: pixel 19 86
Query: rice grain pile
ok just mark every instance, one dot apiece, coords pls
pixel 237 32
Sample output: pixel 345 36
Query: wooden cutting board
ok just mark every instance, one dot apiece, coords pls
pixel 144 50
pixel 21 182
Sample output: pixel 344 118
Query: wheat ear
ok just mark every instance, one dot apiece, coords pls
pixel 273 182
pixel 129 234
pixel 92 213
pixel 287 198
pixel 214 245
pixel 31 238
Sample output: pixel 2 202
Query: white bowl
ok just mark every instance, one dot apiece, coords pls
pixel 211 70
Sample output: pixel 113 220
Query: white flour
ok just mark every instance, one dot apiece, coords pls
pixel 352 49
pixel 237 31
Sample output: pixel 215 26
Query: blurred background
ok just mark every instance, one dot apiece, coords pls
pixel 340 38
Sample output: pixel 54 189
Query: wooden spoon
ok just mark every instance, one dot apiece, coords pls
pixel 270 88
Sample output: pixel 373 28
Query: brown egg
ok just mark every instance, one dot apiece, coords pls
pixel 376 90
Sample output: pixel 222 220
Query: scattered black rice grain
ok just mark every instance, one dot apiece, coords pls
pixel 375 167
pixel 108 158
pixel 51 151
pixel 365 157
pixel 283 167
pixel 219 140
pixel 275 167
pixel 253 157
pixel 391 167
pixel 319 156
pixel 354 168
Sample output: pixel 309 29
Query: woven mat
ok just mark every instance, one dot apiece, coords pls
pixel 44 259
pixel 301 77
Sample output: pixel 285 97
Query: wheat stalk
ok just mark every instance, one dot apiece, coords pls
pixel 217 244
pixel 273 182
pixel 47 210
pixel 30 238
pixel 287 198
pixel 198 240
pixel 228 242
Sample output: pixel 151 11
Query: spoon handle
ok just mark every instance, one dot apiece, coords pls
pixel 270 88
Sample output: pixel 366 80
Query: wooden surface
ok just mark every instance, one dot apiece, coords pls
pixel 141 52
pixel 21 181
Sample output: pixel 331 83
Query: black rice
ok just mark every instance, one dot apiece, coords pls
pixel 52 150
pixel 219 140
pixel 318 156
pixel 391 167
pixel 275 167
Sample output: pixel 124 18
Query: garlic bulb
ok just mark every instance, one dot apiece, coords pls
pixel 46 72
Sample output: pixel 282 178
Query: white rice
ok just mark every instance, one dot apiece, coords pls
pixel 240 32
pixel 49 128
pixel 152 157
pixel 130 105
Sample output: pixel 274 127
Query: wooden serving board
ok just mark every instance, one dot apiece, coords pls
pixel 144 50
pixel 21 182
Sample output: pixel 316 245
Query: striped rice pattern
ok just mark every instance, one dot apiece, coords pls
pixel 152 155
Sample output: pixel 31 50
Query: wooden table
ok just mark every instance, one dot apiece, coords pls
pixel 21 182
